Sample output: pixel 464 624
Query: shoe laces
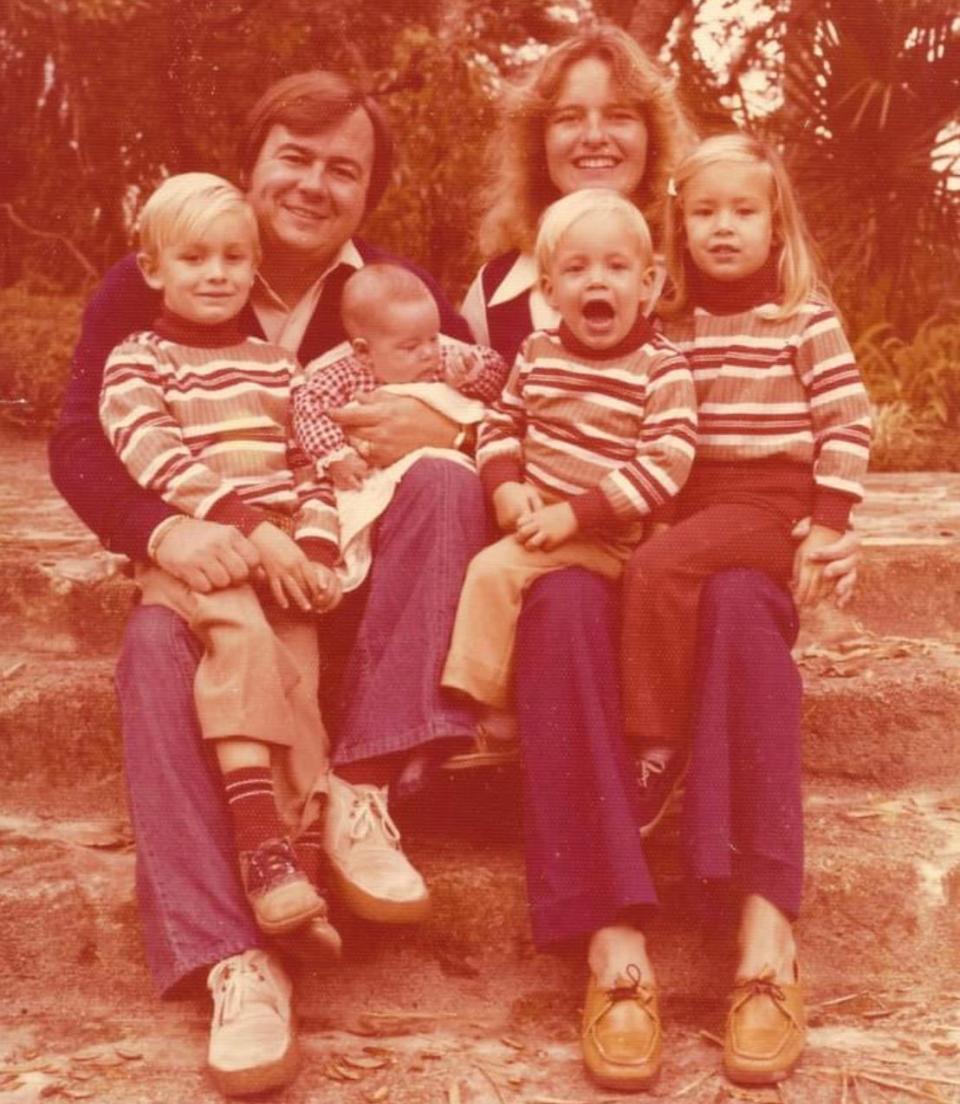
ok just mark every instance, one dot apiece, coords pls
pixel 649 769
pixel 369 817
pixel 631 987
pixel 236 982
pixel 271 860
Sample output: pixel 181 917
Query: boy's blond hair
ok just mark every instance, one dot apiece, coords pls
pixel 560 216
pixel 798 268
pixel 184 206
pixel 520 186
pixel 374 285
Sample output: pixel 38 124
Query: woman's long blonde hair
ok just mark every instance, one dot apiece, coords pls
pixel 520 187
pixel 798 267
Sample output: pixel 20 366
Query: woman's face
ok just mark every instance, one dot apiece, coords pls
pixel 594 138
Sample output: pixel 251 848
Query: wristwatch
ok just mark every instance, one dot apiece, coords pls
pixel 466 439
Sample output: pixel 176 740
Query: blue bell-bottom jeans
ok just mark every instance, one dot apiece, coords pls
pixel 584 856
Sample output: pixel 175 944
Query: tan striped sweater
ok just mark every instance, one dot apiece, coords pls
pixel 201 416
pixel 783 390
pixel 613 433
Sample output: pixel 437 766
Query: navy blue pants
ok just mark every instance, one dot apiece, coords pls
pixel 742 822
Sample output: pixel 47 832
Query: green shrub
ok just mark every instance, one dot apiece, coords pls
pixel 37 336
pixel 915 387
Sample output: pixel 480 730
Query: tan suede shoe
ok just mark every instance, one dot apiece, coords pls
pixel 766 1030
pixel 622 1039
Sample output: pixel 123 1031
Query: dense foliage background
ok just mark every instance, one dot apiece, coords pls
pixel 102 98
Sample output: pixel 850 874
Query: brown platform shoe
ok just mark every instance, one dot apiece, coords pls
pixel 766 1030
pixel 622 1038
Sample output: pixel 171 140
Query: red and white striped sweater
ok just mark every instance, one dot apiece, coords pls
pixel 613 433
pixel 200 415
pixel 780 390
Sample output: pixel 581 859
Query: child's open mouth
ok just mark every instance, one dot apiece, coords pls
pixel 599 311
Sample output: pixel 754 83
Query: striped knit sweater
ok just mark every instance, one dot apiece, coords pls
pixel 784 390
pixel 200 415
pixel 612 432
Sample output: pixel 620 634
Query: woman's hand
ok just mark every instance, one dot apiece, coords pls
pixel 511 501
pixel 328 586
pixel 393 425
pixel 288 571
pixel 839 557
pixel 548 527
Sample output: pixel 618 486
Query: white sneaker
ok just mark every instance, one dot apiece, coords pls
pixel 372 875
pixel 252 1044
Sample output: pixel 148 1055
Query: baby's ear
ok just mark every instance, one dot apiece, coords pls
pixel 361 349
pixel 148 269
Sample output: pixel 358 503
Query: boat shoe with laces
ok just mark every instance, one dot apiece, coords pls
pixel 766 1030
pixel 280 893
pixel 373 877
pixel 622 1038
pixel 253 1048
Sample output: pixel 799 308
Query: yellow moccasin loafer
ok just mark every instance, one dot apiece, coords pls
pixel 622 1038
pixel 766 1030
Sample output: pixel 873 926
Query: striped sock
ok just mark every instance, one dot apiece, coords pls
pixel 253 807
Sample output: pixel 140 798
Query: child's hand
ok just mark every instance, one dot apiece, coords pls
pixel 511 501
pixel 657 528
pixel 547 527
pixel 288 571
pixel 810 584
pixel 349 472
pixel 329 587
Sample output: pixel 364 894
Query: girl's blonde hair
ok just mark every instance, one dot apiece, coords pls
pixel 520 186
pixel 561 215
pixel 184 206
pixel 798 268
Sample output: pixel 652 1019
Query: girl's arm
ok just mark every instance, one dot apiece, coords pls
pixel 840 418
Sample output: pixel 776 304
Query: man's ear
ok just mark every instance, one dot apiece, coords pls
pixel 148 269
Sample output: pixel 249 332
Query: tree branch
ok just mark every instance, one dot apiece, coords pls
pixel 78 256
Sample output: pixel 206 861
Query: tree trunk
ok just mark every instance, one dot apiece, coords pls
pixel 651 20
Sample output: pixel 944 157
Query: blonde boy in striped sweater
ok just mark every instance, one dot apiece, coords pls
pixel 199 414
pixel 784 429
pixel 595 430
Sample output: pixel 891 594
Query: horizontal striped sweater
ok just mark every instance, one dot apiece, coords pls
pixel 612 432
pixel 200 415
pixel 783 390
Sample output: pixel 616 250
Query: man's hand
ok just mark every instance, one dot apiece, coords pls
pixel 393 425
pixel 329 587
pixel 288 571
pixel 548 527
pixel 205 554
pixel 839 557
pixel 349 472
pixel 809 584
pixel 511 501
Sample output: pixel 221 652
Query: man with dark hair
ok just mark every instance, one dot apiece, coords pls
pixel 316 158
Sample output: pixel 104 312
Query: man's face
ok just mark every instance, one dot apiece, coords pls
pixel 309 190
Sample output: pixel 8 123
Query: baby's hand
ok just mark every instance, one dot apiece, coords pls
pixel 511 501
pixel 810 583
pixel 288 571
pixel 462 367
pixel 349 472
pixel 548 527
pixel 328 587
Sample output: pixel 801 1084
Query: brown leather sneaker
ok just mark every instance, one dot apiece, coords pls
pixel 766 1030
pixel 622 1038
